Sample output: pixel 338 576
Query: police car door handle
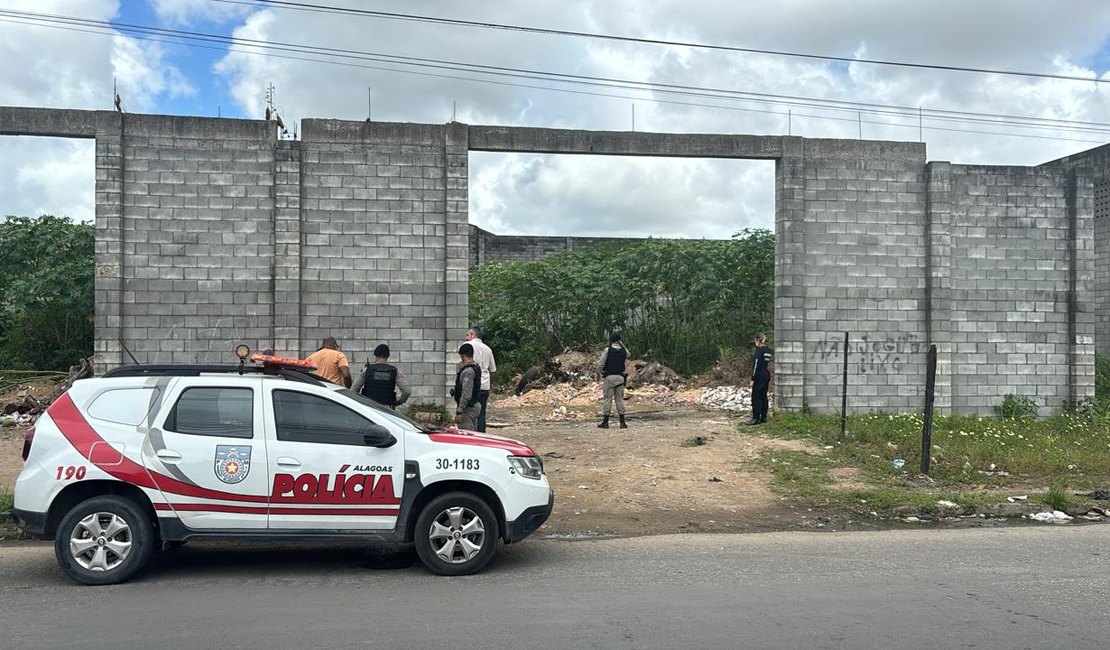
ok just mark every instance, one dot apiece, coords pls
pixel 285 461
pixel 169 456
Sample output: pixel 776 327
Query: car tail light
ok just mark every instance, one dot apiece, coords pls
pixel 27 438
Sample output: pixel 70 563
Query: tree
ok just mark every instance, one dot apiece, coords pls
pixel 687 303
pixel 47 274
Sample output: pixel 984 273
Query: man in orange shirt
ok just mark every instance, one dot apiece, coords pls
pixel 331 364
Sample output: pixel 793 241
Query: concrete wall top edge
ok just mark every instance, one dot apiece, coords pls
pixel 879 149
pixel 334 131
pixel 624 143
pixel 1039 170
pixel 47 122
pixel 207 128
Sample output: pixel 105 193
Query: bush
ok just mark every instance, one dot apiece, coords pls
pixel 46 292
pixel 1016 407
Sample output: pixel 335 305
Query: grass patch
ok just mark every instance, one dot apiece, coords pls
pixel 1070 451
pixel 6 500
pixel 797 473
pixel 1055 498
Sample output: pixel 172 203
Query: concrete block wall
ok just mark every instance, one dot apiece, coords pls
pixel 486 247
pixel 860 251
pixel 211 232
pixel 1095 163
pixel 1011 293
pixel 196 237
pixel 373 252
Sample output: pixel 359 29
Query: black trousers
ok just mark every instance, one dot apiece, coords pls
pixel 759 399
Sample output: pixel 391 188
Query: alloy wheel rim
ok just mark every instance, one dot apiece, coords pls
pixel 457 535
pixel 100 541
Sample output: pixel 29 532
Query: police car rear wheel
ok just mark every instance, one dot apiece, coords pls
pixel 104 540
pixel 456 534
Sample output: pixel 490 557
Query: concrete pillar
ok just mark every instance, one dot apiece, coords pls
pixel 938 285
pixel 790 290
pixel 108 348
pixel 287 248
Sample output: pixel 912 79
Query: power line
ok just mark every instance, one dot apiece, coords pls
pixel 304 6
pixel 167 35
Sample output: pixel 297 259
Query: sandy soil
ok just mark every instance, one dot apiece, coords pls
pixel 649 478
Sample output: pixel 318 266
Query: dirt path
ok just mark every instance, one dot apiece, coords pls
pixel 649 478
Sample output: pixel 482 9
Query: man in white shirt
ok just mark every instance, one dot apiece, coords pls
pixel 483 356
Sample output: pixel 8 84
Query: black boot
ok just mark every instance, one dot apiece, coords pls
pixel 604 423
pixel 623 425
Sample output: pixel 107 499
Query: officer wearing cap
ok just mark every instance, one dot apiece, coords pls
pixel 381 381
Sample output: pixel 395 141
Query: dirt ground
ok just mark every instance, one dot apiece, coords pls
pixel 647 479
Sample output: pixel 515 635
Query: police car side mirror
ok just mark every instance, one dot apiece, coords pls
pixel 378 436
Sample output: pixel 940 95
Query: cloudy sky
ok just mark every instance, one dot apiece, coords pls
pixel 75 67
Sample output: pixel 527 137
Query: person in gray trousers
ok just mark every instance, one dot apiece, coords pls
pixel 611 372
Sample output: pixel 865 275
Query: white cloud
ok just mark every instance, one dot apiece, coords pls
pixel 583 195
pixel 187 12
pixel 59 181
pixel 70 69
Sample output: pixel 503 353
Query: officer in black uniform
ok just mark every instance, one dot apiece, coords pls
pixel 381 381
pixel 761 378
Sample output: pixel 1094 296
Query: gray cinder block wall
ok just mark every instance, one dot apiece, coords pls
pixel 212 232
pixel 486 247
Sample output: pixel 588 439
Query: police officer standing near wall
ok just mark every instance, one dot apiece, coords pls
pixel 611 371
pixel 382 381
pixel 468 382
pixel 761 378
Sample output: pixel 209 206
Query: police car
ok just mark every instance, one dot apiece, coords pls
pixel 147 456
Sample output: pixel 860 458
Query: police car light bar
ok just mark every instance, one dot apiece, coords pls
pixel 283 362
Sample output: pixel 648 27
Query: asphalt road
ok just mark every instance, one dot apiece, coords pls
pixel 1025 587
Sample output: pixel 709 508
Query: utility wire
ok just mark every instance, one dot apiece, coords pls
pixel 176 36
pixel 305 6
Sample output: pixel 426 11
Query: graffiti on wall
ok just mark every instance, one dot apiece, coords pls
pixel 870 355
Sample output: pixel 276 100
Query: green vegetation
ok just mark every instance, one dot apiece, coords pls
pixel 46 292
pixel 686 303
pixel 1016 407
pixel 6 500
pixel 1065 448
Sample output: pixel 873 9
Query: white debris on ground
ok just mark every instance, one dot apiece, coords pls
pixel 564 398
pixel 727 398
pixel 1049 517
pixel 17 420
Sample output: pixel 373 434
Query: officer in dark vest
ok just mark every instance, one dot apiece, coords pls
pixel 761 378
pixel 610 369
pixel 468 383
pixel 382 381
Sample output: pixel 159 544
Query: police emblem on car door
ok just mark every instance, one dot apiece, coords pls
pixel 233 463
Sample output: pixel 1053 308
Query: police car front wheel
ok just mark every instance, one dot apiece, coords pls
pixel 104 540
pixel 456 534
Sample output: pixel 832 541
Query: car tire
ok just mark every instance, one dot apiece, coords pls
pixel 104 540
pixel 456 534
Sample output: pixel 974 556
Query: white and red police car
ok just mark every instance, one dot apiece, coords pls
pixel 151 455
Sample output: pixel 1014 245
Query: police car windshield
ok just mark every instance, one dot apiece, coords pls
pixel 388 413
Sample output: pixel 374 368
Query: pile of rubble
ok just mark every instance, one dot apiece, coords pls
pixel 726 398
pixel 22 403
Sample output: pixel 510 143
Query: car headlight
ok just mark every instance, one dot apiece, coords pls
pixel 527 466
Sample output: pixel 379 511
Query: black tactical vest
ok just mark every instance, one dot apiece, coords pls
pixel 470 400
pixel 614 361
pixel 381 383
